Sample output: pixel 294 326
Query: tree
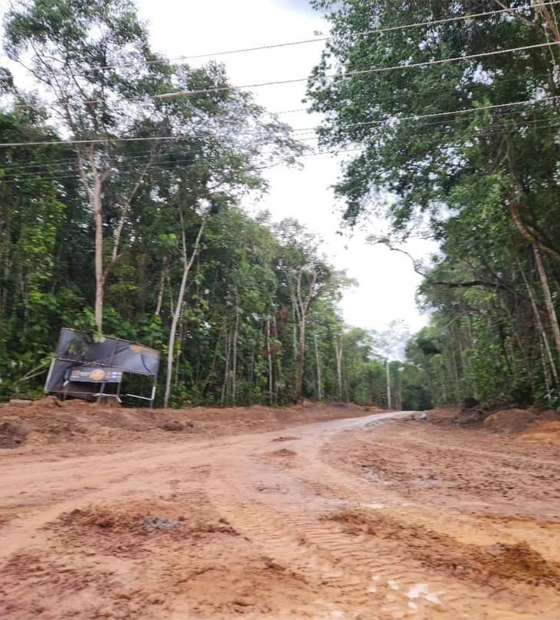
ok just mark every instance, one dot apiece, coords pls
pixel 306 277
pixel 461 132
pixel 104 87
pixel 87 58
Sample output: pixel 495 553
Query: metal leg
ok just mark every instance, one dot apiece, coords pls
pixel 101 392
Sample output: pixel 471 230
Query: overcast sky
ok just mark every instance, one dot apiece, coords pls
pixel 387 282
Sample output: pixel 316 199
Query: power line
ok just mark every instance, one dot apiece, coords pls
pixel 36 176
pixel 390 119
pixel 365 33
pixel 451 113
pixel 435 89
pixel 439 89
pixel 371 71
pixel 417 65
pixel 75 172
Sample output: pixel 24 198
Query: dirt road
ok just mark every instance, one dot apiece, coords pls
pixel 376 517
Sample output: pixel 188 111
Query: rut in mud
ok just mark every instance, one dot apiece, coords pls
pixel 371 517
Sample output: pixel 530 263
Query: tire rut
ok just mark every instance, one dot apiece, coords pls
pixel 398 585
pixel 320 552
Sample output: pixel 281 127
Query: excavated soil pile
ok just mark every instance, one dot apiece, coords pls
pixel 543 432
pixel 531 424
pixel 444 416
pixel 128 526
pixel 50 421
pixel 517 420
pixel 12 433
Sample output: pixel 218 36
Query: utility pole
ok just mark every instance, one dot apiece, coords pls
pixel 388 385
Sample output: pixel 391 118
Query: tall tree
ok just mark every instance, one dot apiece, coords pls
pixel 306 275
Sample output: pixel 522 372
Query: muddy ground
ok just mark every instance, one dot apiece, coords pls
pixel 314 512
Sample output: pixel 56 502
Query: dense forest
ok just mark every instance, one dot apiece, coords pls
pixel 119 214
pixel 122 176
pixel 453 109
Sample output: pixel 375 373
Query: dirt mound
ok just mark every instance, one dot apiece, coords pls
pixel 49 421
pixel 440 551
pixel 12 433
pixel 444 416
pixel 284 458
pixel 127 526
pixel 516 420
pixel 175 426
pixel 473 416
pixel 282 454
pixel 543 432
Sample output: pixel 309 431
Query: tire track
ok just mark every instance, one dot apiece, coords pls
pixel 403 587
pixel 283 539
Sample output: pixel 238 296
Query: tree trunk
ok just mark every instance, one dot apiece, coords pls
pixel 338 349
pixel 225 386
pixel 540 326
pixel 213 365
pixel 301 360
pixel 300 303
pixel 548 298
pixel 187 264
pixel 99 279
pixel 388 385
pixel 345 381
pixel 234 358
pixel 164 275
pixel 279 375
pixel 173 333
pixel 180 328
pixel 295 346
pixel 546 371
pixel 399 392
pixel 319 374
pixel 530 233
pixel 270 366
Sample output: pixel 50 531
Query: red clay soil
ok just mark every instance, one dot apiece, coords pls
pixel 51 422
pixel 543 432
pixel 534 425
pixel 371 517
pixel 518 420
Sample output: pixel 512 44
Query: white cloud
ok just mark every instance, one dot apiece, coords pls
pixel 303 6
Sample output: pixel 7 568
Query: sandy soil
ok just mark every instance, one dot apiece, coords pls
pixel 377 517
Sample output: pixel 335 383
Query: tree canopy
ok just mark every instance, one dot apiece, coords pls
pixel 453 109
pixel 120 213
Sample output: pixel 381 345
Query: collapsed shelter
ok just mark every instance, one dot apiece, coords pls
pixel 94 370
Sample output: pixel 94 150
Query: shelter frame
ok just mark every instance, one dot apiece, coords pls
pixel 83 368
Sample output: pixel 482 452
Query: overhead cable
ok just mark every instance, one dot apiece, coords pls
pixel 364 33
pixel 390 119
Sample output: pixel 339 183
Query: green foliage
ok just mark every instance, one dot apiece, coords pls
pixel 443 145
pixel 146 200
